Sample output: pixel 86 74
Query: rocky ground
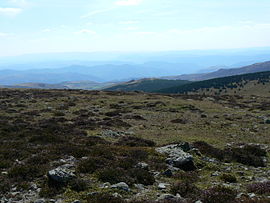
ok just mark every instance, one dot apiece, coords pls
pixel 90 146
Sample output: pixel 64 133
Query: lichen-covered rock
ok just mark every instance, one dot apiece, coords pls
pixel 177 157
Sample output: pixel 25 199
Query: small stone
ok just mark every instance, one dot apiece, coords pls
pixel 139 186
pixel 105 185
pixel 215 173
pixel 142 165
pixel 76 201
pixel 251 195
pixel 121 186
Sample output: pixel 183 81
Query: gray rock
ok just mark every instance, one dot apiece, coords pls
pixel 142 165
pixel 177 157
pixel 139 186
pixel 163 186
pixel 62 174
pixel 121 186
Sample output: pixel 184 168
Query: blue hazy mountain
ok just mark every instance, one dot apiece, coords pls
pixel 120 66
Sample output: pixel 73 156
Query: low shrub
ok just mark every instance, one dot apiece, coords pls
pixel 90 165
pixel 259 188
pixel 248 155
pixel 78 185
pixel 191 176
pixel 26 172
pixel 142 176
pixel 112 175
pixel 135 142
pixel 218 194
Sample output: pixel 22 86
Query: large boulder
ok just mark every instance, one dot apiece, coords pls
pixel 62 174
pixel 177 157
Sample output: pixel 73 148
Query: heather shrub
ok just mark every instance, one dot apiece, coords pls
pixel 259 188
pixel 228 178
pixel 142 176
pixel 191 176
pixel 90 165
pixel 186 189
pixel 135 142
pixel 78 185
pixel 209 150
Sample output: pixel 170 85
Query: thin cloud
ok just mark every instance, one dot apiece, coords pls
pixel 86 31
pixel 131 28
pixel 128 2
pixel 20 3
pixel 46 30
pixel 146 33
pixel 10 11
pixel 128 22
pixel 96 12
pixel 4 34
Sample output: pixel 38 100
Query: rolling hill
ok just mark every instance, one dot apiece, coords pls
pixel 257 67
pixel 252 83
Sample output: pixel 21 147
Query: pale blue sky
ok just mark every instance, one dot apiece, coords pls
pixel 35 26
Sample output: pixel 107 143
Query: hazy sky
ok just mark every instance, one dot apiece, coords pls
pixel 30 26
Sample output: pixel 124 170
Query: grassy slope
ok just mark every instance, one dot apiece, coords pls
pixel 70 113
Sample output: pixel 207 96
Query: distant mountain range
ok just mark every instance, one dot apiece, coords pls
pixel 87 85
pixel 54 68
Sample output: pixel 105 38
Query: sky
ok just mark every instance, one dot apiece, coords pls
pixel 42 26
